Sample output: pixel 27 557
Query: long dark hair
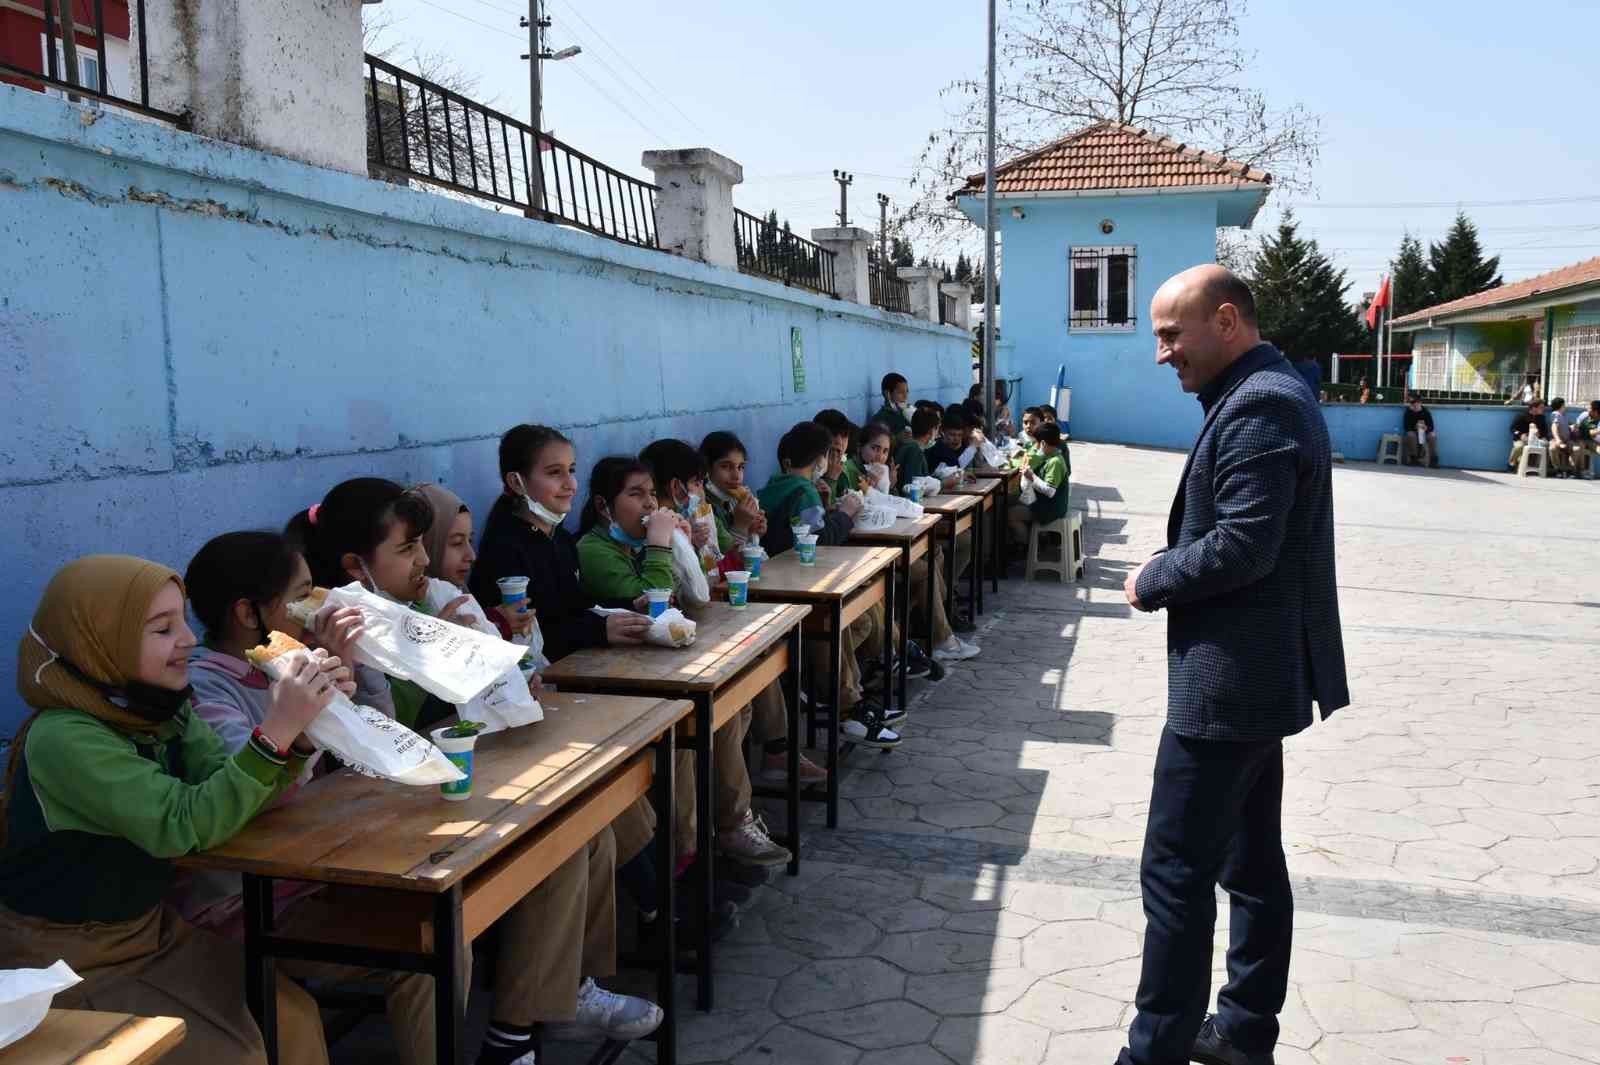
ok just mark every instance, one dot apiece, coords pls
pixel 871 432
pixel 606 482
pixel 520 447
pixel 257 566
pixel 356 516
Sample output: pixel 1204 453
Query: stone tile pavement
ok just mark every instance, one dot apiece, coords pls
pixel 980 903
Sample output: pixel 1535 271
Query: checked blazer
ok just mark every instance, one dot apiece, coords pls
pixel 1247 577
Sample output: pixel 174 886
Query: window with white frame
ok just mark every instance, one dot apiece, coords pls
pixel 1431 361
pixel 1575 363
pixel 1100 289
pixel 88 63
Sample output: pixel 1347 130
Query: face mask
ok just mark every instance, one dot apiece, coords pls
pixel 372 585
pixel 688 509
pixel 622 536
pixel 539 510
pixel 150 702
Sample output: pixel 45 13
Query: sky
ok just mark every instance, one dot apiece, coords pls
pixel 1425 106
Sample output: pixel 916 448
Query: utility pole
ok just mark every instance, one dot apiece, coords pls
pixel 536 23
pixel 986 367
pixel 845 181
pixel 883 228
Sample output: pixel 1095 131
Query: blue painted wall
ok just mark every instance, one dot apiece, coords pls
pixel 1474 438
pixel 1118 392
pixel 200 338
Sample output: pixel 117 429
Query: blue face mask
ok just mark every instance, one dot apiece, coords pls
pixel 621 536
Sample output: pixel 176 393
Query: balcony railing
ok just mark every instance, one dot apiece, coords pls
pixel 888 291
pixel 419 130
pixel 107 63
pixel 768 250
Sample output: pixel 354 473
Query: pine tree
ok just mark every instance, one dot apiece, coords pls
pixel 1457 268
pixel 900 253
pixel 1408 274
pixel 963 267
pixel 1300 297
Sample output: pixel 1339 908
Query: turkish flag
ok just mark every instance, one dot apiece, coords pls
pixel 1380 301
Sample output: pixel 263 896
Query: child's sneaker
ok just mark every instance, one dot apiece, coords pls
pixel 919 664
pixel 749 842
pixel 775 771
pixel 955 649
pixel 621 1017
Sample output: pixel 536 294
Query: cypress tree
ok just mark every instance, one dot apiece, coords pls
pixel 1457 268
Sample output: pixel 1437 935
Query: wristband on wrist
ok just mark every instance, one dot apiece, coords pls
pixel 267 747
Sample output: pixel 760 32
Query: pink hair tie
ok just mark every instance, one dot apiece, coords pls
pixel 311 512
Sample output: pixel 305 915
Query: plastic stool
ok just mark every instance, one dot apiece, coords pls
pixel 1534 456
pixel 1389 448
pixel 1069 527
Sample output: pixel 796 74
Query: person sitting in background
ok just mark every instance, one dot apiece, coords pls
pixel 950 447
pixel 1525 427
pixel 896 409
pixel 1308 368
pixel 1365 388
pixel 1563 441
pixel 1047 413
pixel 1049 483
pixel 843 473
pixel 1588 430
pixel 911 458
pixel 1418 439
pixel 1526 394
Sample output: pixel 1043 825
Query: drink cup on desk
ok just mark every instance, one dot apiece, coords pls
pixel 514 593
pixel 459 749
pixel 914 493
pixel 738 588
pixel 806 546
pixel 660 599
pixel 753 557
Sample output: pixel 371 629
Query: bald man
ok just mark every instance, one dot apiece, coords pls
pixel 1253 637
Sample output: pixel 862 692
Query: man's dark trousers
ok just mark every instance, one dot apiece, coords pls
pixel 1214 817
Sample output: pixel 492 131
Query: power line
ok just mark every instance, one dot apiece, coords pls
pixel 475 22
pixel 1418 204
pixel 620 106
pixel 642 75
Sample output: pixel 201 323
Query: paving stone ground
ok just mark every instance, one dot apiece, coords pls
pixel 980 904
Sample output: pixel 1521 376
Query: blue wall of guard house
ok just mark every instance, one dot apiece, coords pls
pixel 1119 394
pixel 200 338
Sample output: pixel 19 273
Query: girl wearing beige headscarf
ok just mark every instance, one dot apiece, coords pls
pixel 113 776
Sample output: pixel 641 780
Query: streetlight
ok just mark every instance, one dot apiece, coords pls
pixel 536 24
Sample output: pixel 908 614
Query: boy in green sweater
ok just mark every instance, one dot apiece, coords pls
pixel 896 409
pixel 1048 473
pixel 625 550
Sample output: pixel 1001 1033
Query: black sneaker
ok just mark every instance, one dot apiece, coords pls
pixel 918 664
pixel 871 711
pixel 1211 1047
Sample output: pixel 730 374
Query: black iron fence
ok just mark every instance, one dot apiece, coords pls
pixel 770 250
pixel 101 57
pixel 418 130
pixel 949 309
pixel 888 291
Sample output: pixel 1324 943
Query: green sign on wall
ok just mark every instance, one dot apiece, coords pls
pixel 797 356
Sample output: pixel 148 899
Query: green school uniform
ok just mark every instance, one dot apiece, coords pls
pixel 894 419
pixel 849 480
pixel 1054 470
pixel 614 574
pixel 912 461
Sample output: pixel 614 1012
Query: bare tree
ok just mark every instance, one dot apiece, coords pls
pixel 410 128
pixel 1172 66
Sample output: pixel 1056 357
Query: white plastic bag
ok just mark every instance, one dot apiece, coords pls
pixel 879 473
pixel 875 519
pixel 670 629
pixel 1027 495
pixel 705 520
pixel 688 579
pixel 506 702
pixel 899 506
pixel 364 739
pixel 25 996
pixel 450 661
pixel 945 470
pixel 931 486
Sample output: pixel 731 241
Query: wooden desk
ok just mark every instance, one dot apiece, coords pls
pixel 736 654
pixel 422 874
pixel 90 1037
pixel 914 538
pixel 845 583
pixel 961 514
pixel 992 491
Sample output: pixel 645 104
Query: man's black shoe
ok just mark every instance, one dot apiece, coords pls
pixel 1211 1047
pixel 963 623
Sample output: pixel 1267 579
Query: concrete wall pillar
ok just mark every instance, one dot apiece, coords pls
pixel 961 293
pixel 849 245
pixel 694 209
pixel 923 281
pixel 284 76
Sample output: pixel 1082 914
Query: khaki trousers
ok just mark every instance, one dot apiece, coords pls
pixel 160 965
pixel 919 591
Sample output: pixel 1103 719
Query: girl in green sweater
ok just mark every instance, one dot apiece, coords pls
pixel 1048 473
pixel 625 550
pixel 111 778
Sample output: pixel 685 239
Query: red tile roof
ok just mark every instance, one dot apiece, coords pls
pixel 1111 155
pixel 1584 273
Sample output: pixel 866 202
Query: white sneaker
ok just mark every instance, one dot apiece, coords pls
pixel 620 1017
pixel 853 731
pixel 748 842
pixel 955 649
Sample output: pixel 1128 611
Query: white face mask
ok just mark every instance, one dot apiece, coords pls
pixel 372 585
pixel 538 509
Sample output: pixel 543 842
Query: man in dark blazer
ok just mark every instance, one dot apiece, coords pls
pixel 1253 637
